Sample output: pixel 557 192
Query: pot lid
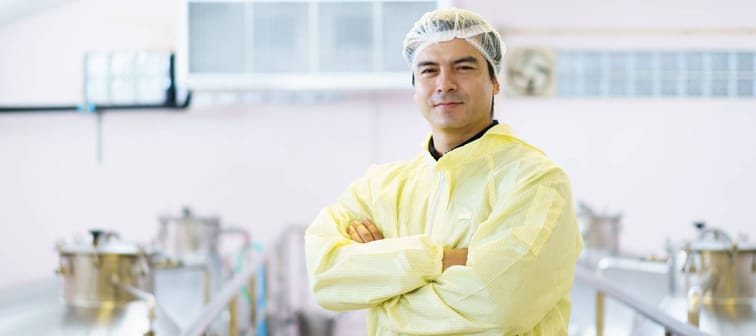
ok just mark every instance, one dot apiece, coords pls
pixel 719 245
pixel 103 242
pixel 715 239
pixel 188 217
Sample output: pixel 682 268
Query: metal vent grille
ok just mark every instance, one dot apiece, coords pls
pixel 269 44
pixel 398 18
pixel 216 37
pixel 281 40
pixel 668 73
pixel 346 37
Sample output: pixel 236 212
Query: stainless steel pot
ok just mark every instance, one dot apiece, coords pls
pixel 712 283
pixel 105 272
pixel 722 269
pixel 600 234
pixel 191 239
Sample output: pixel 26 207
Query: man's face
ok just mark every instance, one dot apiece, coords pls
pixel 453 88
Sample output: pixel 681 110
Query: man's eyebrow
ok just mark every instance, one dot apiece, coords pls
pixel 468 59
pixel 425 63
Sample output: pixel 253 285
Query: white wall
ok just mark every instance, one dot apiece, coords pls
pixel 663 163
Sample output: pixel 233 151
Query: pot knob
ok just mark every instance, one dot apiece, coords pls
pixel 96 236
pixel 699 225
pixel 187 212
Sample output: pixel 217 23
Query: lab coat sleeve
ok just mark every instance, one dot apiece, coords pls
pixel 345 275
pixel 520 265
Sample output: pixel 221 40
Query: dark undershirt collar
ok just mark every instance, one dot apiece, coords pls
pixel 436 155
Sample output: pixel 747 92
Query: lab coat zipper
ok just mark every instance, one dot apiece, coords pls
pixel 429 224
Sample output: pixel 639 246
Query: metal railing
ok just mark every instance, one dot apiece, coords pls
pixel 603 288
pixel 227 298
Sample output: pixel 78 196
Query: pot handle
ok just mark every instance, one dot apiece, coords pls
pixel 237 231
pixel 719 235
pixel 695 295
pixel 245 246
pixel 150 300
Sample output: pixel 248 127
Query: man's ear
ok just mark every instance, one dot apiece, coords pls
pixel 495 86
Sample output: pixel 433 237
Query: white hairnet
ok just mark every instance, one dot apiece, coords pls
pixel 449 23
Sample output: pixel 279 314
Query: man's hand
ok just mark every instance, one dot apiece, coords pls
pixel 454 257
pixel 363 231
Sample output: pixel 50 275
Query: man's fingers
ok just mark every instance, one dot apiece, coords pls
pixel 364 233
pixel 373 229
pixel 353 234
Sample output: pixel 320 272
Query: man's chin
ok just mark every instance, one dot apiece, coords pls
pixel 446 123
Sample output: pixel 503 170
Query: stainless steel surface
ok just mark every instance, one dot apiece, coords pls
pixel 632 264
pixel 293 308
pixel 36 309
pixel 108 286
pixel 40 313
pixel 92 271
pixel 645 279
pixel 732 270
pixel 204 318
pixel 600 234
pixel 650 312
pixel 193 239
pixel 148 299
pixel 189 238
pixel 732 319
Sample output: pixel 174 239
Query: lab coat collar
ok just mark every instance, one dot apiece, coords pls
pixel 474 149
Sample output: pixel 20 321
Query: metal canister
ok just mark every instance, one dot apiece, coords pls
pixel 600 235
pixel 712 283
pixel 101 272
pixel 189 239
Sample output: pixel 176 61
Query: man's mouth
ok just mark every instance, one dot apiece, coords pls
pixel 447 104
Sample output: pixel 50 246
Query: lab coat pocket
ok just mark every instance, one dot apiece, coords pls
pixel 542 214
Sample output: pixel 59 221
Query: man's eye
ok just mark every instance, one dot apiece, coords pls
pixel 427 71
pixel 465 67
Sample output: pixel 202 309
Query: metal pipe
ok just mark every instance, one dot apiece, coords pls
pixel 148 298
pixel 91 108
pixel 600 313
pixel 170 101
pixel 206 284
pixel 695 297
pixel 627 31
pixel 40 108
pixel 607 263
pixel 233 323
pixel 210 312
pixel 252 290
pixel 669 323
pixel 694 306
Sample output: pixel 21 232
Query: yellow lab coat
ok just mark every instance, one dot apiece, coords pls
pixel 497 196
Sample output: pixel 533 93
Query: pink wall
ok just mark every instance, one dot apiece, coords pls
pixel 663 163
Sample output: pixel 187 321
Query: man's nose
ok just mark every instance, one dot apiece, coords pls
pixel 446 82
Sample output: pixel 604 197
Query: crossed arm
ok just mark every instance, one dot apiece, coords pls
pixel 365 231
pixel 516 273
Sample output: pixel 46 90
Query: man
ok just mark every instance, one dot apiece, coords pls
pixel 475 236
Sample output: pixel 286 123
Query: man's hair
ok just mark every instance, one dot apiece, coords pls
pixel 449 23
